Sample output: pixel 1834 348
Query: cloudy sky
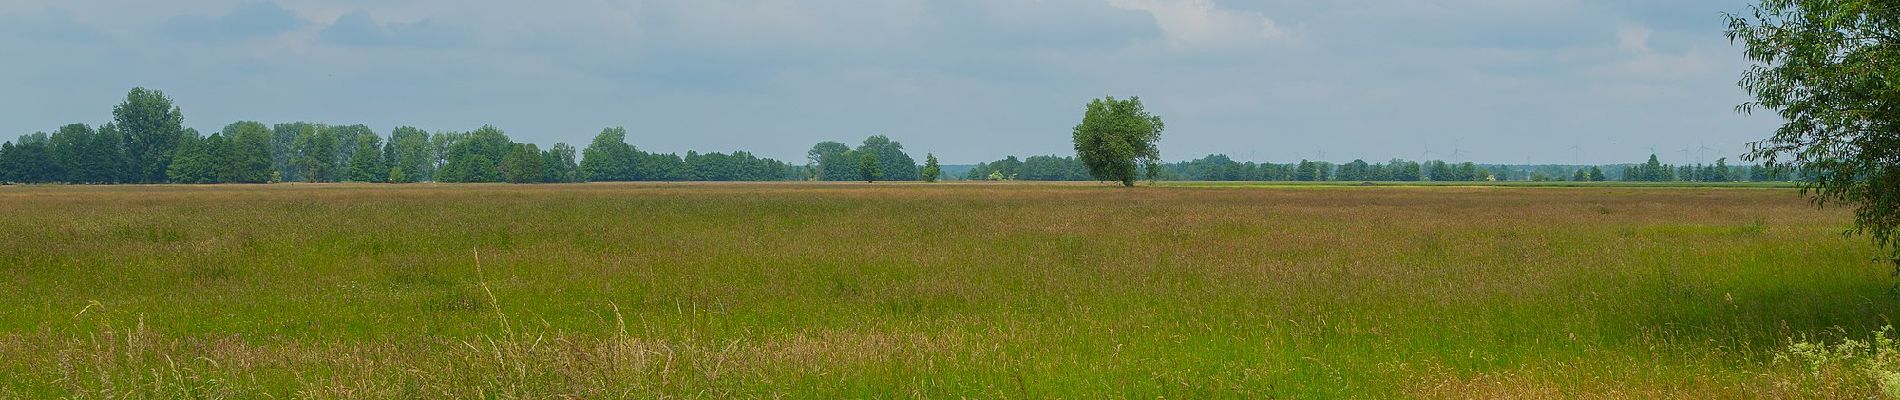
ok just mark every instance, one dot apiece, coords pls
pixel 970 80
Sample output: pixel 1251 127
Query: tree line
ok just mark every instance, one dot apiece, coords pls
pixel 146 142
pixel 1219 167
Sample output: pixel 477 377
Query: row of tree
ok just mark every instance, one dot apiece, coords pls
pixel 1219 167
pixel 610 159
pixel 147 143
pixel 878 158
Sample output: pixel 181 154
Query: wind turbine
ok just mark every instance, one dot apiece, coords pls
pixel 1701 152
pixel 1578 149
pixel 1456 152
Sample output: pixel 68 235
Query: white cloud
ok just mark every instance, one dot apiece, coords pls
pixel 1640 62
pixel 1200 24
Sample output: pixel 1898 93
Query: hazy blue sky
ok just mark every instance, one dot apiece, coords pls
pixel 970 80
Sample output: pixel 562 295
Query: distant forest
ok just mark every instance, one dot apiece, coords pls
pixel 146 142
pixel 1221 168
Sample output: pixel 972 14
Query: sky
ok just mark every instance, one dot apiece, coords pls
pixel 1491 81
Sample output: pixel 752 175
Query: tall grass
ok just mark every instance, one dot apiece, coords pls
pixel 970 290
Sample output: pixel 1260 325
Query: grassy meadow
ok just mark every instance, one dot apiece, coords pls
pixel 936 291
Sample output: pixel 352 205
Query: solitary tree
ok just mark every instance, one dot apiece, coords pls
pixel 1827 67
pixel 867 167
pixel 1116 137
pixel 931 169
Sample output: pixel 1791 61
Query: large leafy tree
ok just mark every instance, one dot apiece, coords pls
pixel 153 127
pixel 522 164
pixel 82 156
pixel 868 167
pixel 476 157
pixel 829 161
pixel 409 150
pixel 30 160
pixel 366 162
pixel 609 158
pixel 316 148
pixel 893 164
pixel 1831 69
pixel 285 155
pixel 348 138
pixel 197 159
pixel 1116 137
pixel 247 157
pixel 557 164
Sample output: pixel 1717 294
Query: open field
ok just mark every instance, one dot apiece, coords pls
pixel 950 290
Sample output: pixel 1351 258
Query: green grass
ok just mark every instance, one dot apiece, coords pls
pixel 956 290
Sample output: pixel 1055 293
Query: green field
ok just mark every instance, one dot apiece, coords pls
pixel 912 290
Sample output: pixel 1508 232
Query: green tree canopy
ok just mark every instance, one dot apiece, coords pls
pixel 557 164
pixel 868 167
pixel 522 164
pixel 315 149
pixel 829 161
pixel 84 156
pixel 893 164
pixel 1116 137
pixel 409 150
pixel 30 160
pixel 609 158
pixel 931 171
pixel 1828 68
pixel 197 160
pixel 476 157
pixel 153 127
pixel 366 162
pixel 247 157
